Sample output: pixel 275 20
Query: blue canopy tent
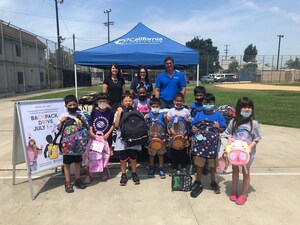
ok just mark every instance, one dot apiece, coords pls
pixel 140 46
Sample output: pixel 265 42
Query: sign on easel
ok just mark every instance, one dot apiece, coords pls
pixel 34 130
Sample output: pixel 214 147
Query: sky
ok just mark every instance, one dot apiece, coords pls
pixel 235 23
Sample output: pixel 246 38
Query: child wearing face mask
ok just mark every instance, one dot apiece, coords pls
pixel 126 153
pixel 142 102
pixel 197 106
pixel 208 114
pixel 179 112
pixel 73 112
pixel 243 125
pixel 100 121
pixel 160 119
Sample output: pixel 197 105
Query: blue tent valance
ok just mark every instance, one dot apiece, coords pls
pixel 140 46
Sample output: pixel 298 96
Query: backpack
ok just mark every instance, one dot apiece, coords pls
pixel 205 141
pixel 181 182
pixel 180 140
pixel 143 109
pixel 134 129
pixel 53 151
pixel 74 136
pixel 238 153
pixel 227 111
pixel 157 132
pixel 98 153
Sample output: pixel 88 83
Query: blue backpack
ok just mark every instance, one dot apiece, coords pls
pixel 205 142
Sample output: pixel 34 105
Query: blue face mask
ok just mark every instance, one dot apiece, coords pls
pixel 208 107
pixel 155 110
pixel 246 114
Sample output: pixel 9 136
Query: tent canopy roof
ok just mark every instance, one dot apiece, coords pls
pixel 140 46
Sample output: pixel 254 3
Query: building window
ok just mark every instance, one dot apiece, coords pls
pixel 20 78
pixel 42 79
pixel 18 50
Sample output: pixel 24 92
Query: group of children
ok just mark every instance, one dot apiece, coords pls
pixel 168 132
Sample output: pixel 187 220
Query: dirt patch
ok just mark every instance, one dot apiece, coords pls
pixel 251 86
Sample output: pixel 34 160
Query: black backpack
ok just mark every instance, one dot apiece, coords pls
pixel 134 129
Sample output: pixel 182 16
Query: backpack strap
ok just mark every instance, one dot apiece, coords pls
pixel 135 103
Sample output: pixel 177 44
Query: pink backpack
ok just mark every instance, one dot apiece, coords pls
pixel 98 153
pixel 238 153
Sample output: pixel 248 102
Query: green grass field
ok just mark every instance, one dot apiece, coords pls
pixel 280 108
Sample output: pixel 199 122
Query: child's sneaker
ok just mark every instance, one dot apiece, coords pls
pixel 196 190
pixel 105 174
pixel 88 179
pixel 195 184
pixel 80 184
pixel 123 180
pixel 135 178
pixel 69 188
pixel 241 200
pixel 215 187
pixel 151 171
pixel 233 197
pixel 161 173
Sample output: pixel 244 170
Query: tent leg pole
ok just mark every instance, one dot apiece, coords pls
pixel 75 76
pixel 197 74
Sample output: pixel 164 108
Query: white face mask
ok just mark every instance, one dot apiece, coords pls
pixel 155 110
pixel 102 106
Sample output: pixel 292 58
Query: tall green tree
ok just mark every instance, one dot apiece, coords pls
pixel 250 54
pixel 293 64
pixel 209 54
pixel 233 67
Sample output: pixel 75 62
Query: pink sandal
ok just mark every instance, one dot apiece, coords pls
pixel 233 197
pixel 241 200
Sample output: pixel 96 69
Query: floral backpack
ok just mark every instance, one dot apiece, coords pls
pixel 74 136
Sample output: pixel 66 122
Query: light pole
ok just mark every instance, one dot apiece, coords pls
pixel 108 23
pixel 58 41
pixel 279 36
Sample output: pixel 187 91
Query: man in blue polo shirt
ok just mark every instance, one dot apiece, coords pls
pixel 169 83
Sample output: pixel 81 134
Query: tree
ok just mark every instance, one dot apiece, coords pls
pixel 233 67
pixel 293 64
pixel 249 57
pixel 209 54
pixel 250 54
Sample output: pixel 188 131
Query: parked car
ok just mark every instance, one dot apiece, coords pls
pixel 225 77
pixel 207 79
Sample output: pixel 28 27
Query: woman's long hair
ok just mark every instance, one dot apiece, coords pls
pixel 139 76
pixel 119 75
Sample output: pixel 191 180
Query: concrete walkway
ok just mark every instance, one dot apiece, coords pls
pixel 273 198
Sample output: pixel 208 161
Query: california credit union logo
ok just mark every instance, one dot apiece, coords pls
pixel 139 40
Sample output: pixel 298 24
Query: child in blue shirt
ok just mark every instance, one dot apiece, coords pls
pixel 208 114
pixel 197 106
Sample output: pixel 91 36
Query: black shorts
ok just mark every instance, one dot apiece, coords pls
pixel 128 153
pixel 69 159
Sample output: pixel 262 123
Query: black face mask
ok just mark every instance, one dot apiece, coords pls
pixel 72 110
pixel 199 100
pixel 142 98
